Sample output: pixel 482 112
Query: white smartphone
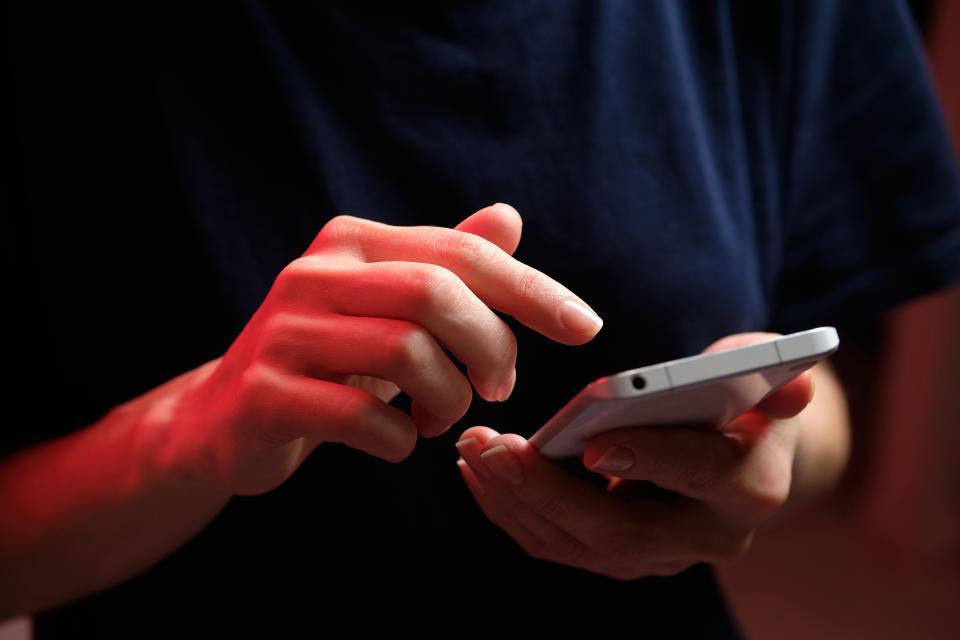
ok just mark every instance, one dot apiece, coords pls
pixel 708 390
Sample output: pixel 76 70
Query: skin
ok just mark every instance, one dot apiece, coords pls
pixel 346 326
pixel 717 487
pixel 357 318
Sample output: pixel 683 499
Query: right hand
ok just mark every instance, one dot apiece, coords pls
pixel 359 317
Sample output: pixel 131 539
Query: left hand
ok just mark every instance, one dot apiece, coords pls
pixel 720 486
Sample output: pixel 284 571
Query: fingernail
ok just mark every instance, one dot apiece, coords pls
pixel 503 463
pixel 464 443
pixel 579 318
pixel 507 388
pixel 469 448
pixel 614 459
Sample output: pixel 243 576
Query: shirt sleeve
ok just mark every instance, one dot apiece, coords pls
pixel 871 196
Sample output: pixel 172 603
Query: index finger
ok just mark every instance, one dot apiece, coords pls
pixel 499 280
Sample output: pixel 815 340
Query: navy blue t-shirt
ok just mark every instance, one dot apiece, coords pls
pixel 690 169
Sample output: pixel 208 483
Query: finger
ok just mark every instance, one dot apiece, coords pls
pixel 746 477
pixel 790 399
pixel 499 223
pixel 575 506
pixel 643 537
pixel 475 473
pixel 527 540
pixel 287 406
pixel 536 535
pixel 470 446
pixel 502 282
pixel 685 461
pixel 394 350
pixel 426 295
pixel 470 478
pixel 785 402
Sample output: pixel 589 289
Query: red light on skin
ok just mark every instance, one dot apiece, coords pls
pixel 749 427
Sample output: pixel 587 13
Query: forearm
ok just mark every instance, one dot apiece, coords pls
pixel 94 508
pixel 823 440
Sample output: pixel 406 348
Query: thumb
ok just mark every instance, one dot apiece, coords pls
pixel 499 223
pixel 785 402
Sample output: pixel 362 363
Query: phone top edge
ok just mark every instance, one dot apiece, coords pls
pixel 822 342
pixel 810 345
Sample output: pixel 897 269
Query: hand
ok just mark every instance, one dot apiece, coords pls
pixel 715 488
pixel 359 317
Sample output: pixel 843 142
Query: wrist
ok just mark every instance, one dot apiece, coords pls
pixel 173 441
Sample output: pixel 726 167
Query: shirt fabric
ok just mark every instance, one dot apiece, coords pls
pixel 691 170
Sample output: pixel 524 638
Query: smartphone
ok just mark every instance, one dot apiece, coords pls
pixel 706 390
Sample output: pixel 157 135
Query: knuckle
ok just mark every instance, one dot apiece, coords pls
pixel 431 287
pixel 341 234
pixel 360 418
pixel 706 474
pixel 714 470
pixel 298 274
pixel 358 408
pixel 530 283
pixel 338 230
pixel 255 379
pixel 467 249
pixel 257 384
pixel 551 507
pixel 281 327
pixel 270 342
pixel 696 481
pixel 409 348
pixel 765 499
pixel 439 287
pixel 653 468
pixel 763 494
